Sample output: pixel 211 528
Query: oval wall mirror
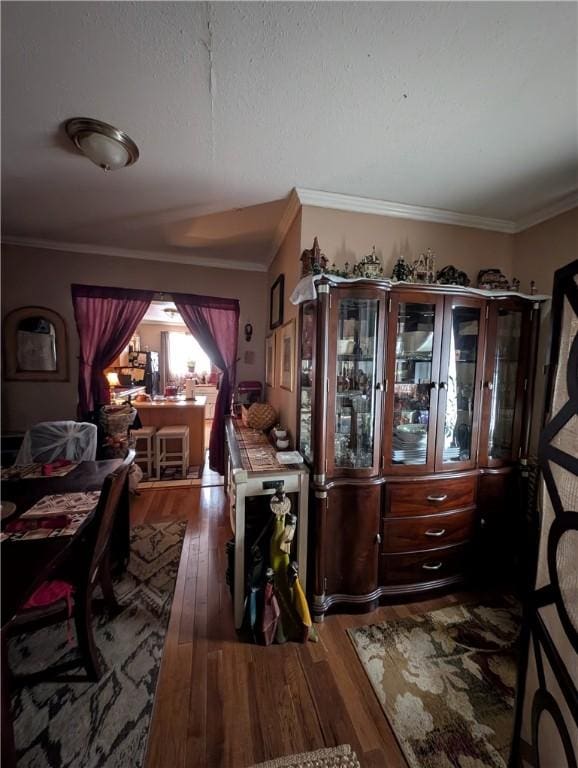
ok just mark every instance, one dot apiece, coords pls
pixel 35 347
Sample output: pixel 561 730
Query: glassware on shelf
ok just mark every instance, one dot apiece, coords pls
pixel 306 381
pixel 355 373
pixel 412 383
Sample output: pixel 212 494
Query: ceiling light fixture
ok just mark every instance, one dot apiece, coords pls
pixel 171 312
pixel 105 145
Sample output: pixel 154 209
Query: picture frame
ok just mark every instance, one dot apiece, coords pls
pixel 276 302
pixel 287 356
pixel 270 360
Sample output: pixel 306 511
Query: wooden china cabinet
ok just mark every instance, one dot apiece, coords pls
pixel 414 410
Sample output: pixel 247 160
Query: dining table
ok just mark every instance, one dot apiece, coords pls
pixel 27 563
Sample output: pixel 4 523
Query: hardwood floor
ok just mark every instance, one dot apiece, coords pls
pixel 225 704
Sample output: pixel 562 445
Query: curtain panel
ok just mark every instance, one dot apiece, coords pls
pixel 214 323
pixel 106 319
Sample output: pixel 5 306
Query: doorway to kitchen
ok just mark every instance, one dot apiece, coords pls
pixel 163 363
pixel 164 355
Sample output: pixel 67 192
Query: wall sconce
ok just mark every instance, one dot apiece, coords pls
pixel 248 331
pixel 105 145
pixel 112 379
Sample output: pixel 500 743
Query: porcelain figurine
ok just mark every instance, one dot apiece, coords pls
pixel 401 271
pixel 420 269
pixel 492 280
pixel 451 275
pixel 369 266
pixel 313 262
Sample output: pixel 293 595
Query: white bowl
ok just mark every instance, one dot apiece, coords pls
pixel 282 444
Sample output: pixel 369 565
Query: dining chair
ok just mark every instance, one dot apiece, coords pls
pixel 70 591
pixel 51 440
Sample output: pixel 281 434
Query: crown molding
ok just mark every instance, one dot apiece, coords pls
pixel 291 210
pixel 341 202
pixel 127 253
pixel 549 212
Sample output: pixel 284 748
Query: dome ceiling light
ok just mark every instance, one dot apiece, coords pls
pixel 105 145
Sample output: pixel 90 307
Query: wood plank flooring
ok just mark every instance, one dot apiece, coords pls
pixel 225 704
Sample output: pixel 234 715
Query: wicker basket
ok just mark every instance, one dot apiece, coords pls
pixel 259 416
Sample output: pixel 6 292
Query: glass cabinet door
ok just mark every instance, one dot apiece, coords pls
pixel 306 379
pixel 502 385
pixel 357 365
pixel 459 395
pixel 413 379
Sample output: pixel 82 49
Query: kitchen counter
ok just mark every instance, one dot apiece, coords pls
pixel 169 413
pixel 198 402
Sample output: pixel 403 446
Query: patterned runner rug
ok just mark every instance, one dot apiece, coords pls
pixel 106 723
pixel 446 681
pixel 330 757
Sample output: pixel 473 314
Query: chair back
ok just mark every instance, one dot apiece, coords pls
pixel 113 488
pixel 52 440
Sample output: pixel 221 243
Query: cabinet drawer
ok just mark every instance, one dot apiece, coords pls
pixel 426 497
pixel 429 531
pixel 422 567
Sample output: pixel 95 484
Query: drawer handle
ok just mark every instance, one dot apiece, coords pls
pixel 439 532
pixel 432 566
pixel 439 499
pixel 378 538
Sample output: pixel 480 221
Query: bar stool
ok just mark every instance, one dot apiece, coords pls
pixel 173 458
pixel 147 455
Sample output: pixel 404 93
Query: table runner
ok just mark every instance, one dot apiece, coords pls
pixel 257 453
pixel 73 507
pixel 33 471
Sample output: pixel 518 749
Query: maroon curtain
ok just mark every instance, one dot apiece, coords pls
pixel 106 319
pixel 215 325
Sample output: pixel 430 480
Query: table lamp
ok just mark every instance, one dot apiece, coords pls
pixel 112 379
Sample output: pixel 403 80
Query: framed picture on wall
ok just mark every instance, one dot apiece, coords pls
pixel 276 302
pixel 270 360
pixel 287 365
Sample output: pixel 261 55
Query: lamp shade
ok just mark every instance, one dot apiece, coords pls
pixel 112 378
pixel 105 152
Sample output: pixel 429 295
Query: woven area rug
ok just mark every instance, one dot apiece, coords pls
pixel 105 723
pixel 446 681
pixel 330 757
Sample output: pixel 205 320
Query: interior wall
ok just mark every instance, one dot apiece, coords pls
pixel 39 277
pixel 538 252
pixel 286 263
pixel 347 236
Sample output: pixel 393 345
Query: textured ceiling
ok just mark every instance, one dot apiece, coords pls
pixel 470 107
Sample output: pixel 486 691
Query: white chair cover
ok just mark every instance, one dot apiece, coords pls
pixel 52 440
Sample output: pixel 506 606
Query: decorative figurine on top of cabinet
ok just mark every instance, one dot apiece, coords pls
pixel 430 261
pixel 451 275
pixel 492 280
pixel 515 284
pixel 313 262
pixel 369 266
pixel 533 288
pixel 419 270
pixel 401 271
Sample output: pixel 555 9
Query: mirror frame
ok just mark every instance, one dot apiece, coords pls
pixel 11 323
